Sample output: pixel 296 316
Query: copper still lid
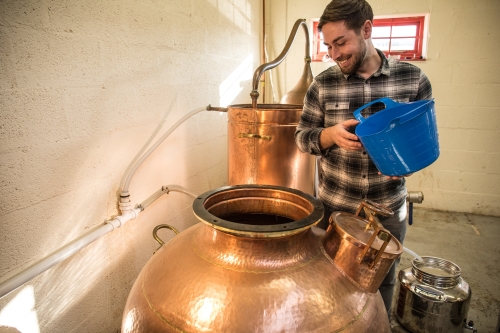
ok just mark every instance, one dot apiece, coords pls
pixel 361 247
pixel 353 229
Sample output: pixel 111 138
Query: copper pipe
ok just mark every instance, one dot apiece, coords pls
pixel 216 108
pixel 262 53
pixel 264 67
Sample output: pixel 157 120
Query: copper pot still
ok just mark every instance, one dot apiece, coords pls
pixel 262 149
pixel 255 263
pixel 361 247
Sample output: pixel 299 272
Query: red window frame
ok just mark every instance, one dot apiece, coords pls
pixel 317 54
pixel 406 55
pixel 416 52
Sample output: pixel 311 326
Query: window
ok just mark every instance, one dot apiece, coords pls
pixel 398 37
pixel 401 37
pixel 319 49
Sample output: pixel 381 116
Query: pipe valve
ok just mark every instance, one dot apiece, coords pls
pixel 411 198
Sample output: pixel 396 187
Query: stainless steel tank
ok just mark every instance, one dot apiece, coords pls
pixel 432 297
pixel 255 263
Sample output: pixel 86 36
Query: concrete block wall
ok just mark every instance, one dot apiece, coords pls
pixel 85 86
pixel 462 66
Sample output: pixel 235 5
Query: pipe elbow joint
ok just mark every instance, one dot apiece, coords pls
pixel 126 216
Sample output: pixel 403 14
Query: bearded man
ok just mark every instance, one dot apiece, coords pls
pixel 362 74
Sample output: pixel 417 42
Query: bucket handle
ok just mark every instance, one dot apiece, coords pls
pixel 414 113
pixel 385 100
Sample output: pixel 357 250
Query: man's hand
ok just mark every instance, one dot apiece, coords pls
pixel 339 135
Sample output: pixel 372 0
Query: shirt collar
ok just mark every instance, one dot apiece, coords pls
pixel 384 68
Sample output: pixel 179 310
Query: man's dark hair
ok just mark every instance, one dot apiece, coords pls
pixel 353 12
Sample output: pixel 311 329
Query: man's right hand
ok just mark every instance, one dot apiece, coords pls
pixel 339 134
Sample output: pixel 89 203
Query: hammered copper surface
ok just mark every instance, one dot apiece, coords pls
pixel 208 280
pixel 297 94
pixel 262 149
pixel 345 240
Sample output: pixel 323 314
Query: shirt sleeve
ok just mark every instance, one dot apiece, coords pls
pixel 311 122
pixel 424 88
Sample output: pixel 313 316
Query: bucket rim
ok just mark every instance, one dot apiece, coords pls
pixel 422 109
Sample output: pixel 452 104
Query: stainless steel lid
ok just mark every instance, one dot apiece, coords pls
pixel 436 272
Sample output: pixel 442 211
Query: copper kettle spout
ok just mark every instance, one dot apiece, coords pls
pixel 307 76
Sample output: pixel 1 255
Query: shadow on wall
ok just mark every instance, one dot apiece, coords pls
pixel 5 329
pixel 89 290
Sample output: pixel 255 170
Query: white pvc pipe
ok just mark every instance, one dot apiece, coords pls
pixel 165 190
pixel 65 252
pixel 175 188
pixel 160 140
pixel 127 214
pixel 410 252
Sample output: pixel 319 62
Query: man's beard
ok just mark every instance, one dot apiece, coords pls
pixel 357 59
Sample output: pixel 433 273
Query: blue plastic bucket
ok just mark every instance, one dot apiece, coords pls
pixel 402 138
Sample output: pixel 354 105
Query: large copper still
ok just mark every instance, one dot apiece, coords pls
pixel 254 264
pixel 262 149
pixel 261 144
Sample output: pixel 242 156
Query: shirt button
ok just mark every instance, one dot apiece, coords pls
pixel 364 176
pixel 364 153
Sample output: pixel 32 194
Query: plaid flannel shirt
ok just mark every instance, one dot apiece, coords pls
pixel 347 177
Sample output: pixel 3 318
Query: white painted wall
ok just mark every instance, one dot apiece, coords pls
pixel 463 67
pixel 84 85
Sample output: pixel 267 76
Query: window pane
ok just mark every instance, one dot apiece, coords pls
pixel 381 32
pixel 381 44
pixel 402 44
pixel 404 30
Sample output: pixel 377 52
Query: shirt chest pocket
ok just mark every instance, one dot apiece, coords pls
pixel 337 112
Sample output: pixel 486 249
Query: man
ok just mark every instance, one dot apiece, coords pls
pixel 347 175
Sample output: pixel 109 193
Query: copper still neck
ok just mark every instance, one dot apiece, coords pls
pixel 306 77
pixel 258 211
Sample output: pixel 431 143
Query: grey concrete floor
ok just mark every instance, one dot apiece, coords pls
pixel 470 241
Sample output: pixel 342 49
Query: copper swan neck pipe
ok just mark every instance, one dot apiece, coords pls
pixel 264 67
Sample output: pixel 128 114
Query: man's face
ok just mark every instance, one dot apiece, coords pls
pixel 346 47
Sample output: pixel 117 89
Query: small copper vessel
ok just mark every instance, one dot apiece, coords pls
pixel 262 149
pixel 361 247
pixel 254 264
